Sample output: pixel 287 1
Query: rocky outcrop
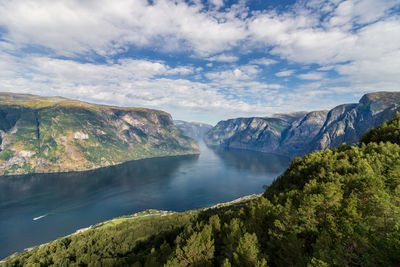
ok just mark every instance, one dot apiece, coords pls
pixel 261 134
pixel 296 134
pixel 51 134
pixel 301 131
pixel 195 130
pixel 348 123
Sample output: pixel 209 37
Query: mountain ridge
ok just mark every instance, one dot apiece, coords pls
pixel 55 134
pixel 306 131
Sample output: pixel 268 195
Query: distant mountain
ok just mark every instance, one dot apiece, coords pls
pixel 195 130
pixel 301 132
pixel 53 134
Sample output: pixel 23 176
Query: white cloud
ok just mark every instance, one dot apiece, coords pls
pixel 357 39
pixel 135 83
pixel 263 61
pixel 224 58
pixel 108 27
pixel 284 73
pixel 185 70
pixel 312 76
pixel 217 3
pixel 303 38
pixel 246 72
pixel 352 12
pixel 89 73
pixel 326 68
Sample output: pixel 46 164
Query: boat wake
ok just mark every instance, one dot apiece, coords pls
pixel 40 217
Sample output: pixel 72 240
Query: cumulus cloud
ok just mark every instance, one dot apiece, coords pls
pixel 263 61
pixel 284 73
pixel 135 83
pixel 224 58
pixel 109 27
pixel 246 72
pixel 312 76
pixel 217 3
pixel 84 48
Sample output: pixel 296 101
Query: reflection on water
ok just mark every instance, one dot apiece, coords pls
pixel 58 187
pixel 255 162
pixel 38 208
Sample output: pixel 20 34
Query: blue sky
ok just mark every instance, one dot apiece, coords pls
pixel 202 60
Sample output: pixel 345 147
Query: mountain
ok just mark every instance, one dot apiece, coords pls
pixel 337 207
pixel 54 134
pixel 303 132
pixel 195 130
pixel 261 134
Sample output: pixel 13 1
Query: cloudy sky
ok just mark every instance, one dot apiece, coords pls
pixel 202 60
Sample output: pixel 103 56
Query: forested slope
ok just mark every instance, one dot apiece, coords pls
pixel 336 207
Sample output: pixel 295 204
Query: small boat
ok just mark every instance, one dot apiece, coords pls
pixel 40 217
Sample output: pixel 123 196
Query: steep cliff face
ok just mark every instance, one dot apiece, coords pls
pixel 195 130
pixel 46 134
pixel 261 134
pixel 301 131
pixel 305 132
pixel 347 123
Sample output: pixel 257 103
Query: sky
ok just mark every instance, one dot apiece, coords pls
pixel 202 60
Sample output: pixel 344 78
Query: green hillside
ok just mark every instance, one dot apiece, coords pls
pixel 53 134
pixel 336 207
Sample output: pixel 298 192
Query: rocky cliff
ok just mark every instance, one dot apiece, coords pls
pixel 195 130
pixel 53 134
pixel 261 134
pixel 302 132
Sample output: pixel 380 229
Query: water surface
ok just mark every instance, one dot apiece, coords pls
pixel 35 209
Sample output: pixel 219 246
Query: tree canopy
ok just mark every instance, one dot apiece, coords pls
pixel 336 207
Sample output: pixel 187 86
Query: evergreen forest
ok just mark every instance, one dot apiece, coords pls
pixel 336 207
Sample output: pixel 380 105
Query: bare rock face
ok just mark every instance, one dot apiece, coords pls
pixel 261 134
pixel 51 134
pixel 81 136
pixel 302 131
pixel 299 133
pixel 347 123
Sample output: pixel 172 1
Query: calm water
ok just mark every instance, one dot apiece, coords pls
pixel 71 201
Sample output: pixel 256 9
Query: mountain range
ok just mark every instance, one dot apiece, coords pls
pixel 298 133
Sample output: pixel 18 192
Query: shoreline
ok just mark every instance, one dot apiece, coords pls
pixel 96 168
pixel 141 214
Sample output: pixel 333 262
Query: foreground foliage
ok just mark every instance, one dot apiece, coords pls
pixel 331 208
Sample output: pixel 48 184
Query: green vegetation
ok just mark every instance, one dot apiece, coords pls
pixel 331 208
pixel 6 155
pixel 387 132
